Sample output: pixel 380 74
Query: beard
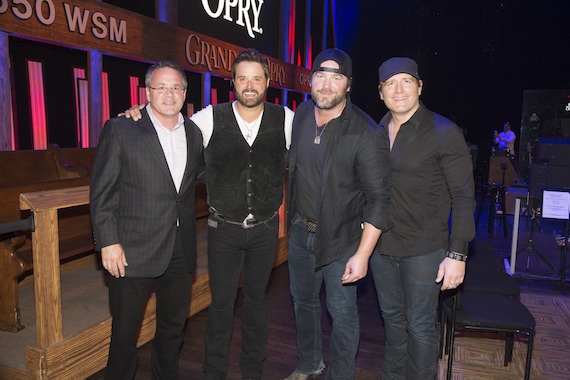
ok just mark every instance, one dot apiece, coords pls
pixel 329 102
pixel 250 102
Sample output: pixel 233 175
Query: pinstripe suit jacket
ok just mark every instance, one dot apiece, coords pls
pixel 133 198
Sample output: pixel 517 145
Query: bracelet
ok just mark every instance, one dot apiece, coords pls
pixel 456 256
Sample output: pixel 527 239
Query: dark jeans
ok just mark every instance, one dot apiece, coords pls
pixel 408 297
pixel 128 297
pixel 234 250
pixel 306 283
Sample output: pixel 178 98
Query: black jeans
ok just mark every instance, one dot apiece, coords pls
pixel 128 297
pixel 232 250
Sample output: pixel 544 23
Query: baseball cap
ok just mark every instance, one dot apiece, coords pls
pixel 337 55
pixel 397 65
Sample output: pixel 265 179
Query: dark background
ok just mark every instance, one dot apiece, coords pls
pixel 476 58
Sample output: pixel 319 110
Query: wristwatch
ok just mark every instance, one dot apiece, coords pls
pixel 456 256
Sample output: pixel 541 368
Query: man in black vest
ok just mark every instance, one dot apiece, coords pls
pixel 246 143
pixel 338 196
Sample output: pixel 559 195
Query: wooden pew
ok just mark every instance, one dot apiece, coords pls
pixel 29 171
pixel 34 166
pixel 84 353
pixel 40 170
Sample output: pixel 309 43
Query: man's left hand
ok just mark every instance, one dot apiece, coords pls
pixel 356 268
pixel 452 272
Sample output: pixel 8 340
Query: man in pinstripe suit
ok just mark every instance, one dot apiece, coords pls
pixel 142 206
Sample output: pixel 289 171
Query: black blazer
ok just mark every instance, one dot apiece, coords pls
pixel 134 201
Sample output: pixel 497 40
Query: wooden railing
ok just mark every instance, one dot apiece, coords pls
pixel 45 248
pixel 85 353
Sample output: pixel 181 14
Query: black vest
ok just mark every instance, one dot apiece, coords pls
pixel 243 179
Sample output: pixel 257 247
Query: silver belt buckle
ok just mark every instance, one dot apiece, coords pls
pixel 245 225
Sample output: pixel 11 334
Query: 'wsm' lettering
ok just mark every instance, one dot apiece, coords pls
pixel 101 26
pixel 245 12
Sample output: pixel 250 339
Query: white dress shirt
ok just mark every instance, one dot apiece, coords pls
pixel 174 146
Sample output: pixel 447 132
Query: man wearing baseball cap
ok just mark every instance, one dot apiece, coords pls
pixel 432 175
pixel 338 196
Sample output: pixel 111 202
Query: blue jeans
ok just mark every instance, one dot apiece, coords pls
pixel 306 282
pixel 233 250
pixel 408 297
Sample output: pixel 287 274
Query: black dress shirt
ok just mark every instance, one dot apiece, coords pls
pixel 432 174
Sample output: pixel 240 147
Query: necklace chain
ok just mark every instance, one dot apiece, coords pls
pixel 318 135
pixel 249 129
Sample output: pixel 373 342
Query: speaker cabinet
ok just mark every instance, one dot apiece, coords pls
pixel 548 176
pixel 554 152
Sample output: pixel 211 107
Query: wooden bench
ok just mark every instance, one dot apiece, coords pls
pixel 29 171
pixel 40 170
pixel 83 353
pixel 35 166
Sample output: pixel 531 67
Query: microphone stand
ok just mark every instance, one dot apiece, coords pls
pixel 530 247
pixel 564 256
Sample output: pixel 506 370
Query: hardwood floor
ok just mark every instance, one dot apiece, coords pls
pixel 477 356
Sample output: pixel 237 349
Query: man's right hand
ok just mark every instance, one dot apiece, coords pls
pixel 134 112
pixel 114 260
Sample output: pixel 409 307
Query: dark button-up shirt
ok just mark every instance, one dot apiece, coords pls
pixel 354 181
pixel 431 174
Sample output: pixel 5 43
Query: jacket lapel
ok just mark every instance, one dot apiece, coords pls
pixel 187 179
pixel 153 144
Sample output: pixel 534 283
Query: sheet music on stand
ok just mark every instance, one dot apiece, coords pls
pixel 555 205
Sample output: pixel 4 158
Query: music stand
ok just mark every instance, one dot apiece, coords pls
pixel 530 247
pixel 496 189
pixel 556 205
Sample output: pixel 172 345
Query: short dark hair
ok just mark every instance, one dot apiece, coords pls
pixel 161 65
pixel 250 55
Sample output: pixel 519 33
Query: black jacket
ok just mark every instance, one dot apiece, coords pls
pixel 355 181
pixel 134 201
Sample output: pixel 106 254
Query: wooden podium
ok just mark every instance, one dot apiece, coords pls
pixel 502 171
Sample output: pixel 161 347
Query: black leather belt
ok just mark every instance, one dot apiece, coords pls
pixel 311 226
pixel 246 223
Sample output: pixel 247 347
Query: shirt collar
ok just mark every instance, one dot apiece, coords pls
pixel 345 114
pixel 157 123
pixel 415 120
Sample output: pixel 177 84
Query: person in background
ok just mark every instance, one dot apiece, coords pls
pixel 431 175
pixel 338 196
pixel 142 207
pixel 506 139
pixel 245 149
